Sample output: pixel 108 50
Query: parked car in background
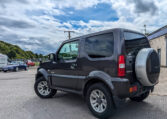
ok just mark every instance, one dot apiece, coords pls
pixel 3 61
pixel 15 66
pixel 30 63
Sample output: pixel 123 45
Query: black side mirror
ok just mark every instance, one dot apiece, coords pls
pixel 52 57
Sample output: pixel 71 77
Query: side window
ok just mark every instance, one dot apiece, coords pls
pixel 133 36
pixel 68 51
pixel 100 46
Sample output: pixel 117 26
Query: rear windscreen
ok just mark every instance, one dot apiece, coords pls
pixel 135 42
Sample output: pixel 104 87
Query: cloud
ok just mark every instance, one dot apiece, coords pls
pixel 144 6
pixel 77 4
pixel 39 25
pixel 30 43
pixel 9 1
pixel 14 23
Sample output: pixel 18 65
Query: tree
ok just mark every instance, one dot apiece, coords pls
pixel 15 52
pixel 11 54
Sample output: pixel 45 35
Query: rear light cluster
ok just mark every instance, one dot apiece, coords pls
pixel 133 89
pixel 121 66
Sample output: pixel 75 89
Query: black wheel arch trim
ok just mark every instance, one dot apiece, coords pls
pixel 106 79
pixel 101 76
pixel 42 72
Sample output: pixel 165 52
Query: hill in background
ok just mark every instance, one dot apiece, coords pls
pixel 15 52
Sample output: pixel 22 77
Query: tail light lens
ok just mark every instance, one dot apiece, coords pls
pixel 121 66
pixel 133 89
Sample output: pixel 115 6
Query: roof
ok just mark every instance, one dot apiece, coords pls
pixel 2 55
pixel 102 32
pixel 160 32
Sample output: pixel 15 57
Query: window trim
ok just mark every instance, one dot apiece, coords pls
pixel 71 60
pixel 101 58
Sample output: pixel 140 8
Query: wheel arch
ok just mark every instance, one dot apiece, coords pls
pixel 42 73
pixel 93 81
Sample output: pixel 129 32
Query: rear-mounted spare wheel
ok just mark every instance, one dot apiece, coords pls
pixel 147 67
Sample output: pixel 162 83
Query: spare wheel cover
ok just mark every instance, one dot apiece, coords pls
pixel 147 67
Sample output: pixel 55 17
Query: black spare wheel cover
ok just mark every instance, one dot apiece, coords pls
pixel 147 67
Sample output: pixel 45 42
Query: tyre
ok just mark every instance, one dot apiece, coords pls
pixel 5 71
pixel 99 100
pixel 26 69
pixel 147 67
pixel 42 90
pixel 16 69
pixel 141 97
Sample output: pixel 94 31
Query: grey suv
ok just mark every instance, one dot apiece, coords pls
pixel 102 67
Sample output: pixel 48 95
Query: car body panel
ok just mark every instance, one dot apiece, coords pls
pixel 13 65
pixel 30 63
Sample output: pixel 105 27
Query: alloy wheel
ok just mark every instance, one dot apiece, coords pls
pixel 43 88
pixel 98 101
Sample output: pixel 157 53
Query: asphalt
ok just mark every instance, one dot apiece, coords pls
pixel 18 101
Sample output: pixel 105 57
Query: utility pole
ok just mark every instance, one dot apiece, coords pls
pixel 145 32
pixel 69 33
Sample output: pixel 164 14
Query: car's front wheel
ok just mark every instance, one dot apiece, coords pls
pixel 16 69
pixel 99 101
pixel 42 89
pixel 26 69
pixel 4 70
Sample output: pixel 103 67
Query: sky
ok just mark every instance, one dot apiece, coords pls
pixel 39 25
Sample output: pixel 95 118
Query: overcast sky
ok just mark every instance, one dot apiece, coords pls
pixel 38 25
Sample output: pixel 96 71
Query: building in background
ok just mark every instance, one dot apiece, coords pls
pixel 158 41
pixel 3 60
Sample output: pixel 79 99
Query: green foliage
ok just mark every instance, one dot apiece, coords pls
pixel 12 54
pixel 15 52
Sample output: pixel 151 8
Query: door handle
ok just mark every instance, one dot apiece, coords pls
pixel 73 66
pixel 54 62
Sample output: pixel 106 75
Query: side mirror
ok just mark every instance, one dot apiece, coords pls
pixel 52 57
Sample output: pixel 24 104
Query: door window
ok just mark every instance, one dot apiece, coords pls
pixel 69 51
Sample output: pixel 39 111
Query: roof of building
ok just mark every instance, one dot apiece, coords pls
pixel 2 55
pixel 160 32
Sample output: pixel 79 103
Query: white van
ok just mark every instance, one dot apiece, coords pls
pixel 3 60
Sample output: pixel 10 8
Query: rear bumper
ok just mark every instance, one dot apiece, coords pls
pixel 121 87
pixel 8 69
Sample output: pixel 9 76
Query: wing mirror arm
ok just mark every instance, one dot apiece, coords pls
pixel 55 58
pixel 52 57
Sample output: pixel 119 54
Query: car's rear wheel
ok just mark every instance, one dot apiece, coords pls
pixel 42 89
pixel 99 101
pixel 141 97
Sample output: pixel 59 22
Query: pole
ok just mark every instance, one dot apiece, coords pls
pixel 69 33
pixel 145 29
